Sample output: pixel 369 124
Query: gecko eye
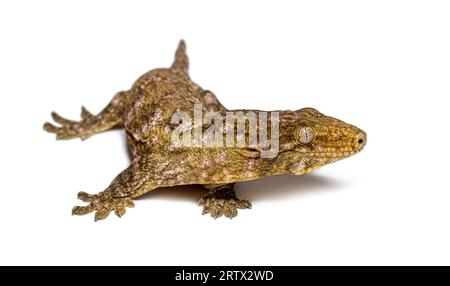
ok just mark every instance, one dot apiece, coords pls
pixel 305 135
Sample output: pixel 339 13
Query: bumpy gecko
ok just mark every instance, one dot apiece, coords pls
pixel 307 140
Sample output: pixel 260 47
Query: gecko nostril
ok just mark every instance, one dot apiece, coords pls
pixel 361 139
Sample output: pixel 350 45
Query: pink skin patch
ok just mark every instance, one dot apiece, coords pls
pixel 221 159
pixel 298 168
pixel 153 123
pixel 156 119
pixel 249 174
pixel 209 98
pixel 207 164
pixel 251 164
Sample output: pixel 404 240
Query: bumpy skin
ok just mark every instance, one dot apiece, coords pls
pixel 145 113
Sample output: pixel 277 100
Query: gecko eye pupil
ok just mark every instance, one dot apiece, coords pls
pixel 305 135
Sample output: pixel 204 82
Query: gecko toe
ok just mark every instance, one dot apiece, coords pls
pixel 102 214
pixel 78 210
pixel 85 197
pixel 50 127
pixel 120 211
pixel 244 204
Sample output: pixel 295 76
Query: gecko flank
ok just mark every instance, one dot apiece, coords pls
pixel 307 139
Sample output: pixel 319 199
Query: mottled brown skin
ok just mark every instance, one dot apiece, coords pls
pixel 145 113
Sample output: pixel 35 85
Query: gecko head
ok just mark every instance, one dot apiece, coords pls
pixel 315 140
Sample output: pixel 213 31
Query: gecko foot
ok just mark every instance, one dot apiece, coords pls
pixel 223 202
pixel 102 204
pixel 71 129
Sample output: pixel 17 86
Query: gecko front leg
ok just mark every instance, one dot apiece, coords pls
pixel 221 200
pixel 129 184
pixel 103 204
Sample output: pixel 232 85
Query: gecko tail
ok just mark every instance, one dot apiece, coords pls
pixel 181 62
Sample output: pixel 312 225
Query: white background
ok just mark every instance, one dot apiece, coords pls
pixel 381 65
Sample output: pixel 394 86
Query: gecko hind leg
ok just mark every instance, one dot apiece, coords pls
pixel 221 200
pixel 128 185
pixel 111 116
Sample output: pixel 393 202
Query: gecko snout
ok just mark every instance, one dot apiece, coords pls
pixel 360 140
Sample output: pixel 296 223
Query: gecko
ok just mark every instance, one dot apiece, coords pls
pixel 306 140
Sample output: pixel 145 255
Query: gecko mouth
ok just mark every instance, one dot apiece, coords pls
pixel 340 153
pixel 309 160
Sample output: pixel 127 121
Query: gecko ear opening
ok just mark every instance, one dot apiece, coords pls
pixel 249 152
